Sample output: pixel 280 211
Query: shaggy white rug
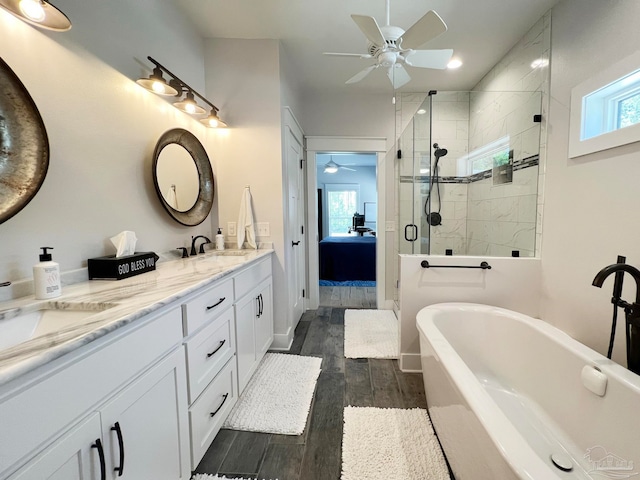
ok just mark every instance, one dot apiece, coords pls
pixel 278 396
pixel 206 476
pixel 370 334
pixel 390 444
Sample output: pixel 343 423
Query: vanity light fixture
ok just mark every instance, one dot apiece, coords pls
pixel 213 121
pixel 38 13
pixel 176 88
pixel 189 105
pixel 157 84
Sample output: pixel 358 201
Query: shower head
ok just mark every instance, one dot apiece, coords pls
pixel 440 152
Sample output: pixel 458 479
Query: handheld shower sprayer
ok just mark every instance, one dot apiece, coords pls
pixel 434 218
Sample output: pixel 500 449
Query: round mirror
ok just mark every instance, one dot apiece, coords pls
pixel 24 146
pixel 183 177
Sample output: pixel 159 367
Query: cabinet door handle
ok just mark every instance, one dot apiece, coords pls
pixel 216 304
pixel 224 399
pixel 103 464
pixel 116 428
pixel 294 244
pixel 261 304
pixel 209 355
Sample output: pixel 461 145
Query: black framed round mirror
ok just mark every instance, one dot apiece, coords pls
pixel 24 145
pixel 183 177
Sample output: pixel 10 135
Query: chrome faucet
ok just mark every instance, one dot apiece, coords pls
pixel 631 310
pixel 193 244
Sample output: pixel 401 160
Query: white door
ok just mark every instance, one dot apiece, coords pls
pixel 296 271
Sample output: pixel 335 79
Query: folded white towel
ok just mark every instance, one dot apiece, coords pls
pixel 246 228
pixel 172 198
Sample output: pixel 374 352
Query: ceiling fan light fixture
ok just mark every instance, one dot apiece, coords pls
pixel 38 13
pixel 331 167
pixel 454 63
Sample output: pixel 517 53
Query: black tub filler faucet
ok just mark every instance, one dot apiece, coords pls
pixel 631 310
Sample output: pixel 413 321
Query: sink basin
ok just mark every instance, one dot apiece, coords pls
pixel 43 320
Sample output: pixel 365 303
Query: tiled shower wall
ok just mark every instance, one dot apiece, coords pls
pixel 480 218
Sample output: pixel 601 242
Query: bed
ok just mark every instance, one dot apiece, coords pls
pixel 348 258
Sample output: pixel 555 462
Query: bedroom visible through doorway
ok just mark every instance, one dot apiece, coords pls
pixel 347 227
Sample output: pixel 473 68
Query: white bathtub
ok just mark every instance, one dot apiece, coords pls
pixel 505 392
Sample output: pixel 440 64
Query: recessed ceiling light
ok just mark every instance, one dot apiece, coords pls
pixel 454 63
pixel 422 111
pixel 539 63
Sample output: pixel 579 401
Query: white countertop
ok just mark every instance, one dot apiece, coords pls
pixel 127 300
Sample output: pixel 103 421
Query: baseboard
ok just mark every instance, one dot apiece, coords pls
pixel 410 363
pixel 281 342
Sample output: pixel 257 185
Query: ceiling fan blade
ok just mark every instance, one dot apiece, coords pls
pixel 361 55
pixel 398 76
pixel 360 75
pixel 424 30
pixel 429 58
pixel 370 28
pixel 347 168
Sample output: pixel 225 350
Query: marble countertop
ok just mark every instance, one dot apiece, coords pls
pixel 116 304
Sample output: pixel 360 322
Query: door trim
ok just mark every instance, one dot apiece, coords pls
pixel 317 144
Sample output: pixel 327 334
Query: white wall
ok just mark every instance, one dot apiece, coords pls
pixel 590 202
pixel 102 129
pixel 512 283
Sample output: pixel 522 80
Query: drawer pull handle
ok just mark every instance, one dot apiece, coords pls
pixel 103 464
pixel 224 399
pixel 222 342
pixel 217 303
pixel 116 428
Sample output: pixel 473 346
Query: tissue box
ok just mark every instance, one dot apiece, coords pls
pixel 112 268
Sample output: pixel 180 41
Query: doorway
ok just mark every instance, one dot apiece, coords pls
pixel 336 210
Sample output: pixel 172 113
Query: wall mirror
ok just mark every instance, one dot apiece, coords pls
pixel 183 177
pixel 24 146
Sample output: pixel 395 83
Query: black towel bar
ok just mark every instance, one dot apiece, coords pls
pixel 483 265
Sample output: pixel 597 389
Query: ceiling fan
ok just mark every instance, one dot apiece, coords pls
pixel 392 48
pixel 333 167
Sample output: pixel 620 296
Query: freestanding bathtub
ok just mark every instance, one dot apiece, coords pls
pixel 512 397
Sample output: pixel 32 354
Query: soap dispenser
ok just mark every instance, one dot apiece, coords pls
pixel 219 240
pixel 46 276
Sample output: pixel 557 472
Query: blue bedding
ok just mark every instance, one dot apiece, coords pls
pixel 348 258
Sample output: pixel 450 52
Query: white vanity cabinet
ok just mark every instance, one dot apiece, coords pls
pixel 134 378
pixel 210 342
pixel 254 318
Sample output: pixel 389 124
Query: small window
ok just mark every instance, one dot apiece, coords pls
pixel 342 204
pixel 605 109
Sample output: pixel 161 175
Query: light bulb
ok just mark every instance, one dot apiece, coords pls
pixel 32 9
pixel 190 108
pixel 158 86
pixel 454 63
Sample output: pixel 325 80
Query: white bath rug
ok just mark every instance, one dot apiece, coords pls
pixel 278 396
pixel 370 334
pixel 206 476
pixel 390 444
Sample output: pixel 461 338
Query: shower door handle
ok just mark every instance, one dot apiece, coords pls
pixel 415 232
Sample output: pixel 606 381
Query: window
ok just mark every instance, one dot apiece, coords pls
pixel 605 109
pixel 342 203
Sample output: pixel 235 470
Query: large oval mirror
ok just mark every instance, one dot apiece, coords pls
pixel 24 146
pixel 183 177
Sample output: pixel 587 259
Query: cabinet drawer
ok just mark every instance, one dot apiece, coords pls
pixel 208 413
pixel 208 351
pixel 202 308
pixel 32 416
pixel 247 280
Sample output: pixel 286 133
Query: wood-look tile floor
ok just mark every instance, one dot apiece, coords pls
pixel 348 297
pixel 316 454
